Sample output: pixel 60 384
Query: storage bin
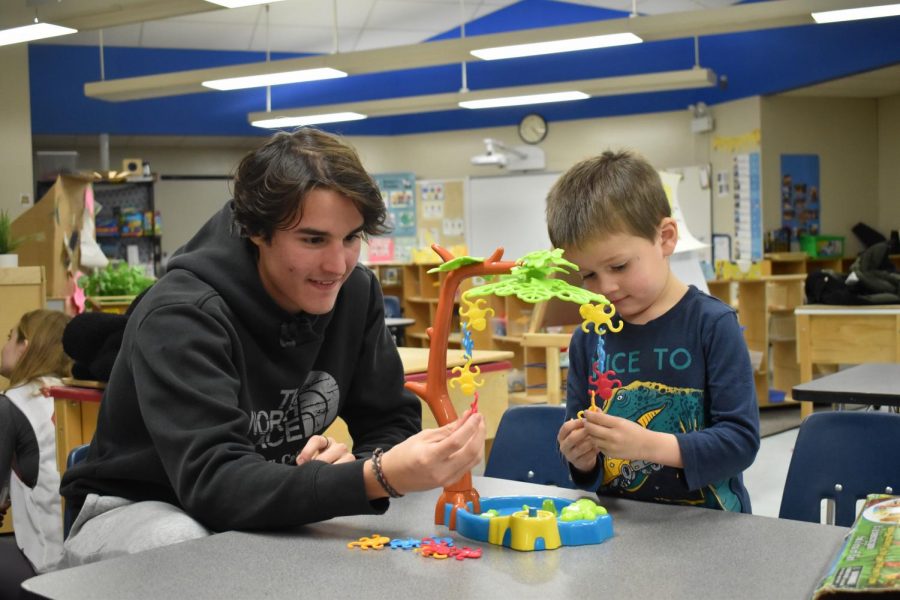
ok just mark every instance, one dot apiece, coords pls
pixel 822 246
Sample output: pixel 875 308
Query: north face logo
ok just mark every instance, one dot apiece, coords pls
pixel 301 413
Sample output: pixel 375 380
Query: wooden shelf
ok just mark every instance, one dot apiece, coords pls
pixel 766 312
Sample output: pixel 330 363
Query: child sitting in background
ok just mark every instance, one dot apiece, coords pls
pixel 684 424
pixel 32 359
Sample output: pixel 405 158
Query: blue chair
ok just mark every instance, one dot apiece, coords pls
pixel 392 309
pixel 525 447
pixel 76 455
pixel 841 456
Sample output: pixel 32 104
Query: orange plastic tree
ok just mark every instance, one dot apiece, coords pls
pixel 434 391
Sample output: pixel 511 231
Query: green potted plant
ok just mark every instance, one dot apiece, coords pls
pixel 8 243
pixel 112 288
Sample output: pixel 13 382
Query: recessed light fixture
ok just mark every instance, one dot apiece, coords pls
pixel 279 122
pixel 252 81
pixel 240 3
pixel 553 47
pixel 857 14
pixel 521 100
pixel 30 33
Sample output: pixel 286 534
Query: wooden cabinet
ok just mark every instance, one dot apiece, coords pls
pixel 390 276
pixel 794 263
pixel 766 312
pixel 420 294
pixel 800 263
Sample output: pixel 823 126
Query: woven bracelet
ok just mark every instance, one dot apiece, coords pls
pixel 379 474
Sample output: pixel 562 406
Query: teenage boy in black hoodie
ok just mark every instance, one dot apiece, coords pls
pixel 261 333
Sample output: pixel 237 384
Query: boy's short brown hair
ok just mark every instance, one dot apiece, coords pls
pixel 616 192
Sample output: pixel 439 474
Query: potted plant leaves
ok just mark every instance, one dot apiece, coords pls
pixel 8 243
pixel 113 288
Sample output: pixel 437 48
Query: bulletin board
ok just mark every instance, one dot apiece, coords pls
pixel 441 205
pixel 800 194
pixel 398 191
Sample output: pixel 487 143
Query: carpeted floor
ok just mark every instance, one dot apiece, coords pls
pixel 775 419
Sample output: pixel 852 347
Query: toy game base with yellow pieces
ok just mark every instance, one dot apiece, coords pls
pixel 529 523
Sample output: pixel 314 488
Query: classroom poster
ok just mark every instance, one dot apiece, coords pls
pixel 800 194
pixel 398 191
pixel 747 208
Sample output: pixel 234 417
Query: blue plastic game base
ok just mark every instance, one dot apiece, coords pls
pixel 523 523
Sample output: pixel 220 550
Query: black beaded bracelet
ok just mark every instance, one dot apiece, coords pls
pixel 379 474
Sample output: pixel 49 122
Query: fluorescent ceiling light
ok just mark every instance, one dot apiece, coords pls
pixel 856 14
pixel 286 121
pixel 522 100
pixel 708 21
pixel 35 31
pixel 240 3
pixel 555 46
pixel 409 105
pixel 252 81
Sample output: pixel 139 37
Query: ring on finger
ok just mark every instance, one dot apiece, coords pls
pixel 327 444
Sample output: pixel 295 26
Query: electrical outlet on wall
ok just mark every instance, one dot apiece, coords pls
pixel 26 199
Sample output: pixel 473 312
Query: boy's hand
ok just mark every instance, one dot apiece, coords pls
pixel 577 446
pixel 325 449
pixel 616 437
pixel 435 457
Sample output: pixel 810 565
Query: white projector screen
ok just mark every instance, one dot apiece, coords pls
pixel 507 211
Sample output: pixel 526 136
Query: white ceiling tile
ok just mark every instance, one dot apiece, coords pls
pixel 490 6
pixel 317 40
pixel 496 3
pixel 320 13
pixel 160 34
pixel 419 16
pixel 124 35
pixel 383 38
pixel 226 16
pixel 82 38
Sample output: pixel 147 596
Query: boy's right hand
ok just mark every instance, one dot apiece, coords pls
pixel 436 457
pixel 577 446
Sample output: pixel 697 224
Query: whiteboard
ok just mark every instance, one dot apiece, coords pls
pixel 507 211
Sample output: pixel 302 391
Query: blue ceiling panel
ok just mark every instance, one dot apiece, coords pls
pixel 753 63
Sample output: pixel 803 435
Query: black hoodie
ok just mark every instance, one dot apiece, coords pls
pixel 216 389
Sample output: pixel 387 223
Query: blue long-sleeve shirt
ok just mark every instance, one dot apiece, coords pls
pixel 687 373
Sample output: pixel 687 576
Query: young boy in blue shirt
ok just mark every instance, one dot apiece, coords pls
pixel 683 422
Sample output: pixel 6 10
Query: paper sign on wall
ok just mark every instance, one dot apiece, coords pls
pixel 454 226
pixel 381 249
pixel 432 209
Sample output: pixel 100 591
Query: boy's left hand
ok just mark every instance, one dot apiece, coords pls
pixel 616 437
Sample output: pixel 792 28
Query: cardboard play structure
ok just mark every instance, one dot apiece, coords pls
pixel 53 228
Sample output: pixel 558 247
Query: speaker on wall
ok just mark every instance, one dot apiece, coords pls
pixel 133 166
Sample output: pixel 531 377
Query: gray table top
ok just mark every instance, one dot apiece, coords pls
pixel 657 552
pixel 871 383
